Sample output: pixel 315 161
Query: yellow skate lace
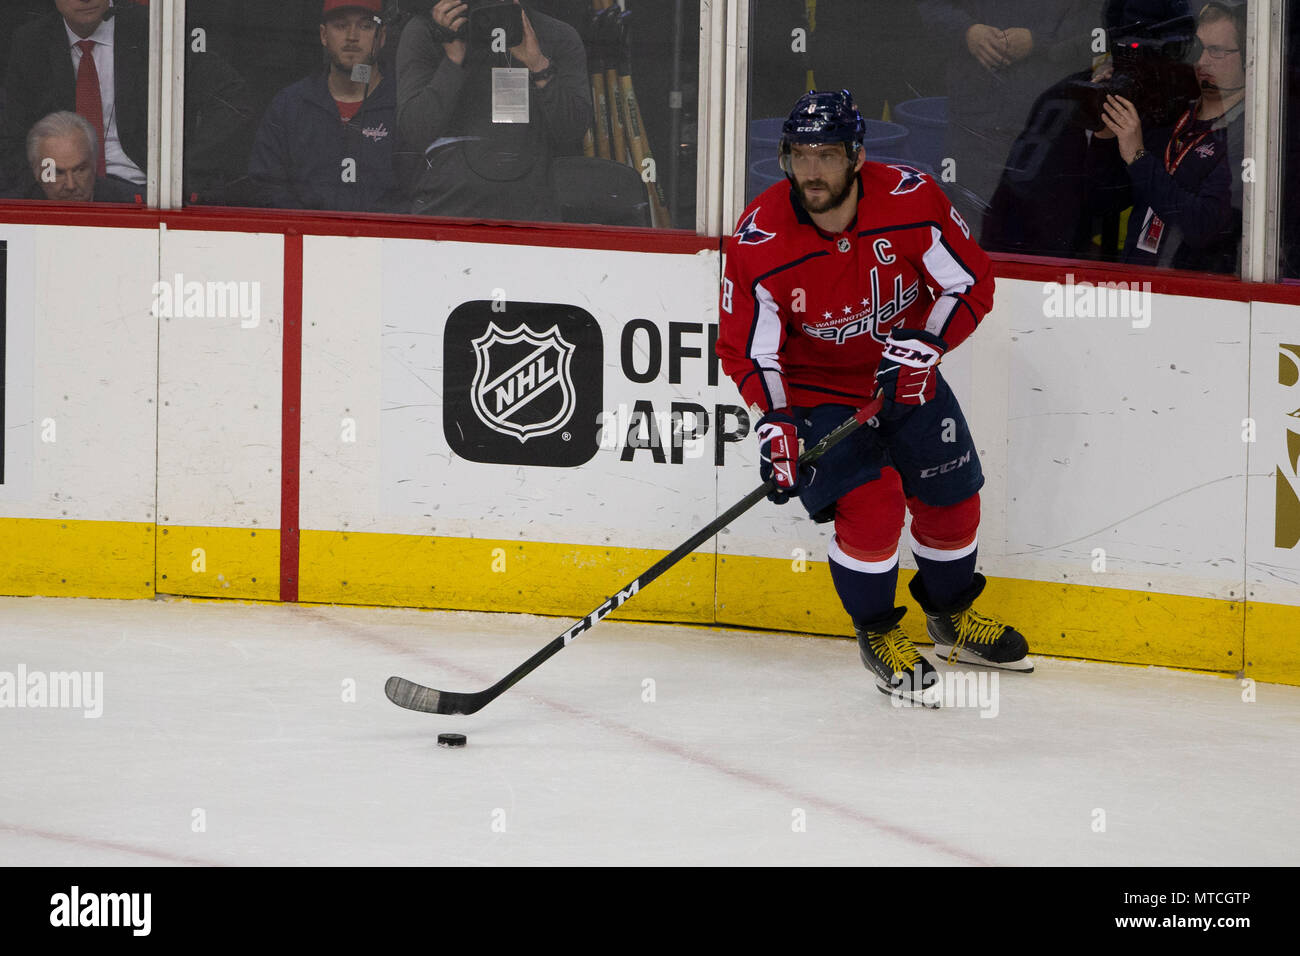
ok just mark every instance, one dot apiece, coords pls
pixel 976 628
pixel 894 648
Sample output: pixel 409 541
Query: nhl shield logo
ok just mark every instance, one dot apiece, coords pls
pixel 523 382
pixel 520 383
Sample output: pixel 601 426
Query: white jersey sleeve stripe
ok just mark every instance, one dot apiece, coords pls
pixel 765 346
pixel 940 313
pixel 950 275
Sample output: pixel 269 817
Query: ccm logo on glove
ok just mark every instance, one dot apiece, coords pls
pixel 904 374
pixel 916 354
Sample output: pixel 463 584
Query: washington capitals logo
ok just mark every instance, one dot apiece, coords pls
pixel 911 180
pixel 749 233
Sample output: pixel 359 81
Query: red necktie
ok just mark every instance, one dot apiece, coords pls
pixel 89 103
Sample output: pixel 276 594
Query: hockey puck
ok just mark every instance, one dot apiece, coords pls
pixel 451 740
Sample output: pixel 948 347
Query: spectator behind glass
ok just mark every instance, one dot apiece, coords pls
pixel 110 89
pixel 326 142
pixel 1183 180
pixel 1041 206
pixel 49 72
pixel 458 161
pixel 999 56
pixel 61 151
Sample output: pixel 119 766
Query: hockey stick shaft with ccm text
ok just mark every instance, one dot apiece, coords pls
pixel 413 696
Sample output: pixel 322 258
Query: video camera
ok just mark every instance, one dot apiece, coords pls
pixel 485 17
pixel 1153 70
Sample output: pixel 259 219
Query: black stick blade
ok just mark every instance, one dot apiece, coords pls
pixel 412 696
pixel 426 700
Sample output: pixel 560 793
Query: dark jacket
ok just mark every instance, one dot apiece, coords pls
pixel 987 110
pixel 41 81
pixel 107 189
pixel 1200 203
pixel 301 146
pixel 458 161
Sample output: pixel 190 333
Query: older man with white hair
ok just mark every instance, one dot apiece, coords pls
pixel 92 58
pixel 61 152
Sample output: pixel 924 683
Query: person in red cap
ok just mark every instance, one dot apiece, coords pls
pixel 326 142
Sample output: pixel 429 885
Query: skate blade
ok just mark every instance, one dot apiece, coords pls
pixel 930 697
pixel 1023 666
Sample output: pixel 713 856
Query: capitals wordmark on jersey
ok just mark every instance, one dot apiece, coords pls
pixel 804 314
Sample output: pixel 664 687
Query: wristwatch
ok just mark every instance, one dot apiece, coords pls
pixel 1138 155
pixel 444 36
pixel 541 76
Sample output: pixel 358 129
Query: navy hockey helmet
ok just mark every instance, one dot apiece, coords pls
pixel 823 117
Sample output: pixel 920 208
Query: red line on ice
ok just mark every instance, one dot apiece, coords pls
pixel 694 756
pixel 106 845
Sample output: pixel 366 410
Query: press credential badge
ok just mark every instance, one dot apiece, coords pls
pixel 509 94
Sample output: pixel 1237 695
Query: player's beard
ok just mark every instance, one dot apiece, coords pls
pixel 834 197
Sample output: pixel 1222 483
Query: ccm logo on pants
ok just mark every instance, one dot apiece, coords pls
pixel 946 467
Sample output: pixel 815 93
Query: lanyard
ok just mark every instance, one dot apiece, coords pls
pixel 1173 162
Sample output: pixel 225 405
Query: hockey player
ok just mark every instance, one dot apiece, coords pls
pixel 856 278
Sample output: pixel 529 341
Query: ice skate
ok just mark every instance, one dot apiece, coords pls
pixel 900 669
pixel 962 635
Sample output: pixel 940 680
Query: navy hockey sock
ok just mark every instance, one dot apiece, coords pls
pixel 866 588
pixel 944 580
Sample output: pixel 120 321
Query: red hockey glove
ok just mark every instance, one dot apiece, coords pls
pixel 778 453
pixel 908 370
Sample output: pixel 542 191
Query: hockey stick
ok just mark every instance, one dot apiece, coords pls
pixel 413 696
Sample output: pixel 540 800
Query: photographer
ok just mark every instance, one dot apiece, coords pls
pixel 1183 180
pixel 487 94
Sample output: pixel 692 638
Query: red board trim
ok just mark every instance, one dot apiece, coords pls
pixel 291 417
pixel 86 216
pixel 444 230
pixel 1203 285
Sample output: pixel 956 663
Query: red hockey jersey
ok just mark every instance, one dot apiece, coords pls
pixel 804 314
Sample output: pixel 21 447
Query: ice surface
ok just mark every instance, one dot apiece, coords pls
pixel 756 749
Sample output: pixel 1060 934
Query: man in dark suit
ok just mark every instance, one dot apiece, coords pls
pixel 92 58
pixel 47 75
